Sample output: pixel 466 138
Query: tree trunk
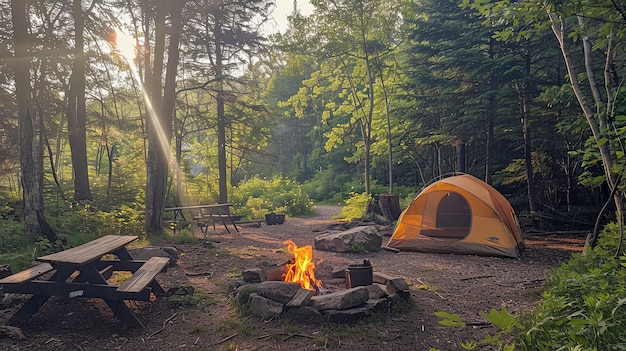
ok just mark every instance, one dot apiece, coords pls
pixel 160 121
pixel 389 136
pixel 370 112
pixel 76 110
pixel 491 115
pixel 530 178
pixel 460 157
pixel 110 159
pixel 221 118
pixel 35 224
pixel 489 144
pixel 158 144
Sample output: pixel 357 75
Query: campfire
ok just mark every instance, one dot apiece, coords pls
pixel 292 290
pixel 301 268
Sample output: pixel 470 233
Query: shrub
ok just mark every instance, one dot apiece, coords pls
pixel 329 186
pixel 76 224
pixel 82 223
pixel 256 197
pixel 355 207
pixel 583 304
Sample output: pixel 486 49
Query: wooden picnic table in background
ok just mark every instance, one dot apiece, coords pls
pixel 205 215
pixel 82 271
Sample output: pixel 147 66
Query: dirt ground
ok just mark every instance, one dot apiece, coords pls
pixel 466 285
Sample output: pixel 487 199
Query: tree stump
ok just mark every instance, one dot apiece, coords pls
pixel 389 205
pixel 385 205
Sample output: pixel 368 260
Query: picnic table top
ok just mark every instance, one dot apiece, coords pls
pixel 88 252
pixel 193 207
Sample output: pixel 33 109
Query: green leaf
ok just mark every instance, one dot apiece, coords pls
pixel 620 302
pixel 450 319
pixel 501 319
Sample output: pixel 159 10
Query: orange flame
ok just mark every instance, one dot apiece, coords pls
pixel 302 270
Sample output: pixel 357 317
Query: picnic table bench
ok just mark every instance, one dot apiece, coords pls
pixel 252 222
pixel 204 216
pixel 82 271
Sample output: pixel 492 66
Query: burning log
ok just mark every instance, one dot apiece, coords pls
pixel 302 270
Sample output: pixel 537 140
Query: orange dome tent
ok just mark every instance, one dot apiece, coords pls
pixel 459 214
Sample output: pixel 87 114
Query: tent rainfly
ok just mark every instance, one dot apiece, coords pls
pixel 459 214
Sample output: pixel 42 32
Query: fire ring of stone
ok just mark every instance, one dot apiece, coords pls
pixel 267 296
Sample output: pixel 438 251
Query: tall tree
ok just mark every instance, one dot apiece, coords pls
pixel 460 81
pixel 349 38
pixel 76 109
pixel 162 101
pixel 229 33
pixel 35 224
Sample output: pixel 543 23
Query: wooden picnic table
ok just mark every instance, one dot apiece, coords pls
pixel 207 215
pixel 82 271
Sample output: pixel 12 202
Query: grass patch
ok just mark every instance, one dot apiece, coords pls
pixel 183 238
pixel 231 326
pixel 425 286
pixel 338 333
pixel 289 328
pixel 187 296
pixel 198 329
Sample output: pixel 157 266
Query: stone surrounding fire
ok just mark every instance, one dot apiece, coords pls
pixel 357 239
pixel 267 296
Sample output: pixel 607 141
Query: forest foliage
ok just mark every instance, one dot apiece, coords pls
pixel 354 99
pixel 348 99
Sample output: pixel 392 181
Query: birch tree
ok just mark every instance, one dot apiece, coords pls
pixel 591 37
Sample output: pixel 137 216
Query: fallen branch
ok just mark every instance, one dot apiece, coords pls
pixel 163 327
pixel 526 283
pixel 289 336
pixel 226 339
pixel 208 274
pixel 297 334
pixel 479 277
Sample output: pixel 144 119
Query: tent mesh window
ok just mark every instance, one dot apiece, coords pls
pixel 454 216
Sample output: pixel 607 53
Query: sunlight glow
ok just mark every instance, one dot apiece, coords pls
pixel 126 48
